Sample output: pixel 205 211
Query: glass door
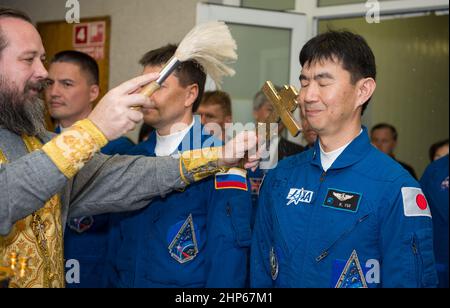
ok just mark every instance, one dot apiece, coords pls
pixel 269 43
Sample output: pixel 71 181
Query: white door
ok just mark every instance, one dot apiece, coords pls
pixel 269 44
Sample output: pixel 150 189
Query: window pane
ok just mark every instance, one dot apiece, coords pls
pixel 278 5
pixel 264 54
pixel 340 2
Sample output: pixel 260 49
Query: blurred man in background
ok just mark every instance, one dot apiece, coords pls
pixel 439 150
pixel 215 111
pixel 384 137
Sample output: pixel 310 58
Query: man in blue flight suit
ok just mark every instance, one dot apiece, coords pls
pixel 73 86
pixel 198 238
pixel 342 214
pixel 434 183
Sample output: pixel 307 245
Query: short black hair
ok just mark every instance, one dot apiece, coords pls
pixel 188 73
pixel 349 49
pixel 434 147
pixel 11 13
pixel 387 126
pixel 84 61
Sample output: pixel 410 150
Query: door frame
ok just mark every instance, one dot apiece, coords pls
pixel 388 9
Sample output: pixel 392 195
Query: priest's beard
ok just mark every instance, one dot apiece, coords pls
pixel 22 113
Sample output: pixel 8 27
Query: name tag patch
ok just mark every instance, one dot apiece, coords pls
pixel 342 200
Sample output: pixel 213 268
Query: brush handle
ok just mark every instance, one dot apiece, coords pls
pixel 150 89
pixel 155 85
pixel 168 69
pixel 164 74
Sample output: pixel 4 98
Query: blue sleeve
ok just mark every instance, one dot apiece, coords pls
pixel 425 179
pixel 228 237
pixel 119 146
pixel 110 277
pixel 260 269
pixel 406 238
pixel 434 183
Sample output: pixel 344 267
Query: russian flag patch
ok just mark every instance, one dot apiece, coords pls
pixel 235 178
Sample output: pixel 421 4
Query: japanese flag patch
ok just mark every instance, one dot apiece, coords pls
pixel 414 202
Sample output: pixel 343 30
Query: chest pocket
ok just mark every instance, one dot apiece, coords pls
pixel 240 216
pixel 344 231
pixel 342 237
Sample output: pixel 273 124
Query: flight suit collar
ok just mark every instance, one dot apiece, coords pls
pixel 150 144
pixel 193 140
pixel 355 152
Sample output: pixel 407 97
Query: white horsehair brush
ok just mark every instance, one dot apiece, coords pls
pixel 210 45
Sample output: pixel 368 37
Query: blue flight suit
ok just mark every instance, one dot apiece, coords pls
pixel 86 238
pixel 145 249
pixel 285 149
pixel 347 227
pixel 256 177
pixel 435 182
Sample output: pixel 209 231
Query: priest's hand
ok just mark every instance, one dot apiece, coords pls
pixel 118 112
pixel 242 148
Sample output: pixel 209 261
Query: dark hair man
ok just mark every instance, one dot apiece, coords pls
pixel 342 214
pixel 72 88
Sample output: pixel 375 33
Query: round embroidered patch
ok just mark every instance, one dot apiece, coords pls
pixel 273 264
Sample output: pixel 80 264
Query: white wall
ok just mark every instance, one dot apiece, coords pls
pixel 137 26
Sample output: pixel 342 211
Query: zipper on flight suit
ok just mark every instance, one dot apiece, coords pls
pixel 326 252
pixel 417 261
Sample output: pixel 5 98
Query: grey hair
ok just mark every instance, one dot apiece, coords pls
pixel 260 98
